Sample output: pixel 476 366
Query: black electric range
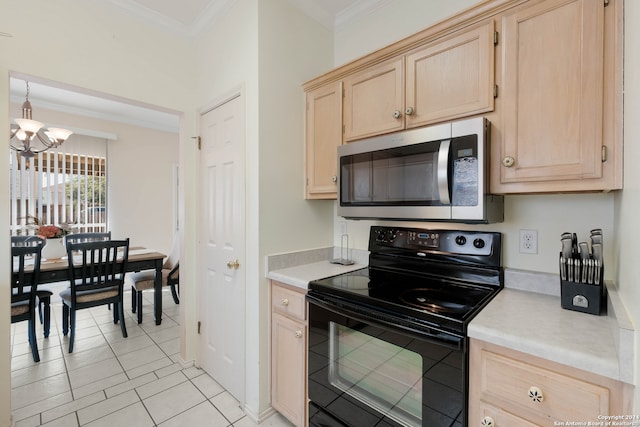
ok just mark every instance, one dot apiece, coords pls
pixel 435 278
pixel 388 344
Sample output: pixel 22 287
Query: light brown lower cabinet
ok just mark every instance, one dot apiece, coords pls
pixel 289 353
pixel 510 388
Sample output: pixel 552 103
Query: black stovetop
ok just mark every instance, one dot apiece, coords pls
pixel 441 278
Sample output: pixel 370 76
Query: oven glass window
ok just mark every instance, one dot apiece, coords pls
pixel 378 373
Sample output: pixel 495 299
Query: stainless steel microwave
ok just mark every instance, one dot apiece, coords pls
pixel 434 173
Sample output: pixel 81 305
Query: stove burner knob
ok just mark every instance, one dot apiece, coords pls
pixel 461 240
pixel 392 234
pixel 380 235
pixel 478 243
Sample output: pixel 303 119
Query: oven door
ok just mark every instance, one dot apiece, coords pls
pixel 366 372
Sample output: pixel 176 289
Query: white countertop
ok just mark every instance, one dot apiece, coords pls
pixel 301 275
pixel 536 324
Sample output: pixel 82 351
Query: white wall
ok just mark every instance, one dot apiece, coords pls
pixel 5 270
pixel 293 48
pixel 628 201
pixel 394 20
pixel 89 45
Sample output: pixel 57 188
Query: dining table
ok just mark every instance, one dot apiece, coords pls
pixel 140 258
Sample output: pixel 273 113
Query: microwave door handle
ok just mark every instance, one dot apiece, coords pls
pixel 443 171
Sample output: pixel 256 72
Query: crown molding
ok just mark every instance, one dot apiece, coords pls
pixel 213 11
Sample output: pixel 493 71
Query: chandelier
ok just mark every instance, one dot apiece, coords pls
pixel 29 129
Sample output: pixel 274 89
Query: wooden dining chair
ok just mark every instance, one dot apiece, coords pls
pixel 87 237
pixel 143 280
pixel 43 293
pixel 96 276
pixel 24 284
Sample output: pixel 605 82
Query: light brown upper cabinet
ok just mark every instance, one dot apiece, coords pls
pixel 445 79
pixel 558 98
pixel 374 100
pixel 324 135
pixel 451 78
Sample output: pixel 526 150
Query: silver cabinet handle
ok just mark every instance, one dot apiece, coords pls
pixel 298 334
pixel 284 302
pixel 334 178
pixel 397 114
pixel 409 111
pixel 233 264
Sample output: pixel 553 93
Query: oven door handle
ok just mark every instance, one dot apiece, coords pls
pixel 443 171
pixel 442 338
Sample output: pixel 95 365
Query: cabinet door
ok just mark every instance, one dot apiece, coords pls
pixel 552 90
pixel 374 100
pixel 288 368
pixel 323 136
pixel 451 78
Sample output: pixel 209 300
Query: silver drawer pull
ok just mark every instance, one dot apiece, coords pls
pixel 284 302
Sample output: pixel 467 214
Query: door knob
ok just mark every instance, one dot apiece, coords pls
pixel 233 264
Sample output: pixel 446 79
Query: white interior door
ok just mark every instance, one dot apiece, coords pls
pixel 222 284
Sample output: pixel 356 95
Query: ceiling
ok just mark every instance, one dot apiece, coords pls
pixel 184 17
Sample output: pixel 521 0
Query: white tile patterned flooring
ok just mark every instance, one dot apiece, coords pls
pixel 109 380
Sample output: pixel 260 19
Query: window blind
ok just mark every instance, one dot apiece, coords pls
pixel 67 185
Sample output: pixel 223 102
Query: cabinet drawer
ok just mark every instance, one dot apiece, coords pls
pixel 488 415
pixel 288 302
pixel 546 394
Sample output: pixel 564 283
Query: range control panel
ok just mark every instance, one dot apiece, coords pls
pixel 454 242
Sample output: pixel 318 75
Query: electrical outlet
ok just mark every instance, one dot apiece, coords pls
pixel 528 241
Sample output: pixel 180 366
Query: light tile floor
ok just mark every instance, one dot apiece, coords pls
pixel 109 380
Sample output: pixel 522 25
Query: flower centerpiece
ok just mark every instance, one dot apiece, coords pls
pixel 51 231
pixel 54 247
